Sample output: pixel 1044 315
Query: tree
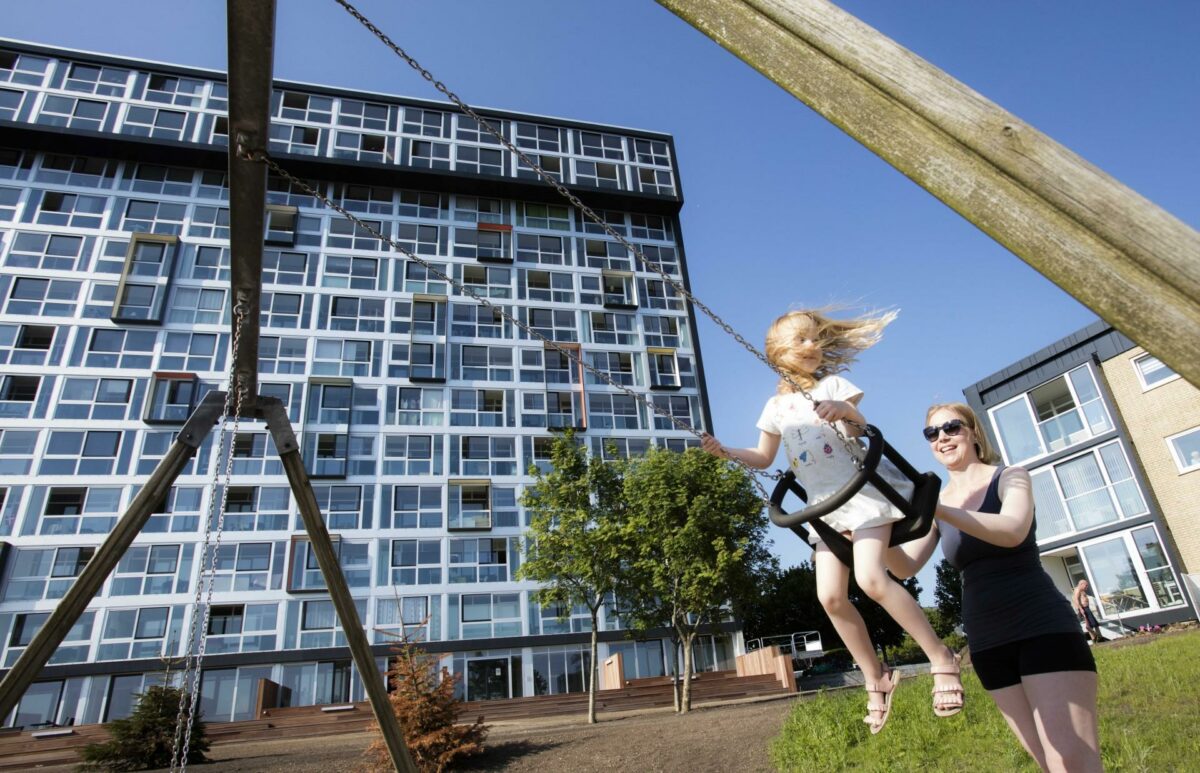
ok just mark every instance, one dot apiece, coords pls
pixel 575 533
pixel 146 739
pixel 785 602
pixel 694 542
pixel 947 594
pixel 425 705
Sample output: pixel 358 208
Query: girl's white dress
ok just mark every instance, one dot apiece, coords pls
pixel 822 464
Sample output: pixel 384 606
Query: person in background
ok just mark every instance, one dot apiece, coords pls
pixel 1082 601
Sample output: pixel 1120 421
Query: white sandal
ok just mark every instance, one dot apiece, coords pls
pixel 885 687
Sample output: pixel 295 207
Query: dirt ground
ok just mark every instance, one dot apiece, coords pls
pixel 713 738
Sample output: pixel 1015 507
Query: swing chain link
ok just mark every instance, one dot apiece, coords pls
pixel 211 546
pixel 854 449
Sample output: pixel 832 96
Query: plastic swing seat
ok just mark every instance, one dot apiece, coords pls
pixel 918 510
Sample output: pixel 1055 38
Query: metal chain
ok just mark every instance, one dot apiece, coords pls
pixel 197 633
pixel 571 354
pixel 853 449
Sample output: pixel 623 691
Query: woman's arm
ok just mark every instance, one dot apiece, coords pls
pixel 1010 526
pixel 759 458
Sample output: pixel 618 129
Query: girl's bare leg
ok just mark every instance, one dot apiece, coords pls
pixel 833 591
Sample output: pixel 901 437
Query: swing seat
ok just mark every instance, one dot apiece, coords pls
pixel 918 510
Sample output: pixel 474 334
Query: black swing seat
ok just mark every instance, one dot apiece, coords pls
pixel 918 510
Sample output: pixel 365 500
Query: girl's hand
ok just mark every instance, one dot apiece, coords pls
pixel 835 410
pixel 713 446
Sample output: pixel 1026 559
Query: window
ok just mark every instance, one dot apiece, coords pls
pixel 157 122
pixel 428 123
pixel 73 113
pixel 42 297
pixel 419 279
pixel 197 306
pixel 549 286
pixel 45 573
pixel 190 352
pixel 174 91
pixel 254 454
pixel 470 209
pixel 173 396
pixel 363 315
pixel 363 115
pixel 257 508
pixel 132 634
pixel 9 198
pixel 282 355
pixel 347 235
pixel 159 217
pixel 131 349
pixel 599 174
pixel 657 294
pixel 550 217
pixel 1152 372
pixel 620 367
pixel 545 250
pixel 663 258
pixel 147 570
pixel 613 411
pixel 487 281
pixel 210 223
pixel 336 357
pixel 617 289
pixel 156 179
pixel 179 513
pixel 420 317
pixel 243 566
pixel 478 321
pixel 155 445
pixel 480 407
pixel 491 614
pixel 72 452
pixel 537 137
pixel 94 399
pixel 1056 415
pixel 416 562
pixel 362 147
pixel 10 103
pixel 75 647
pixel 416 507
pixel 281 310
pixel 242 628
pixel 21 390
pixel 336 455
pixel 561 670
pixel 353 273
pixel 79 510
pixel 28 345
pixel 1130 574
pixel 483 455
pixel 655 181
pixel 412 455
pixel 284 268
pixel 470 505
pixel 209 262
pixel 408 618
pixel 601 145
pixel 471 130
pixel 605 255
pixel 214 185
pixel 301 140
pixel 16 454
pixel 552 324
pixel 478 560
pixel 1086 491
pixel 551 165
pixel 1185 448
pixel 680 407
pixel 468 158
pixel 609 220
pixel 664 369
pixel 281 225
pixel 418 362
pixel 1163 585
pixel 416 407
pixel 665 332
pixel 70 209
pixel 612 328
pixel 481 363
pixel 429 155
pixel 343 506
pixel 422 204
pixel 77 170
pixel 651 152
pixel 303 107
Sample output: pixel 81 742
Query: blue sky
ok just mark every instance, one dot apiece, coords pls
pixel 782 209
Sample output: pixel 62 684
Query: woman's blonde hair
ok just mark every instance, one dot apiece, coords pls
pixel 983 447
pixel 840 340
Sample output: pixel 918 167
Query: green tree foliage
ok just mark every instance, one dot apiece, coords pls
pixel 575 547
pixel 947 594
pixel 694 544
pixel 144 740
pixel 425 705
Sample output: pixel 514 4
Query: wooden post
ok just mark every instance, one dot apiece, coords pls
pixel 1131 262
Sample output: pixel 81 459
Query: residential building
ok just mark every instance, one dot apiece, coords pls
pixel 1070 414
pixel 419 411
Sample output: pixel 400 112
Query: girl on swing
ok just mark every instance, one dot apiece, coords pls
pixel 811 348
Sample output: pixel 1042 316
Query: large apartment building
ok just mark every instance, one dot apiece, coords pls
pixel 1107 432
pixel 419 412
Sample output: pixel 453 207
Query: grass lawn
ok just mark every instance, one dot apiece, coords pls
pixel 1149 701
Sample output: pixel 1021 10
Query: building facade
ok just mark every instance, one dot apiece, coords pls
pixel 1069 415
pixel 418 411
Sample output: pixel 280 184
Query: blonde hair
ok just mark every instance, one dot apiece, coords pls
pixel 983 447
pixel 840 340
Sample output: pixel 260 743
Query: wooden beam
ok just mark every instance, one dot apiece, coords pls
pixel 1130 261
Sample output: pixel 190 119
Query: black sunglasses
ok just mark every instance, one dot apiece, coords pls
pixel 951 428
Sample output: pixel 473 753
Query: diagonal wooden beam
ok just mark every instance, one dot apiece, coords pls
pixel 1130 261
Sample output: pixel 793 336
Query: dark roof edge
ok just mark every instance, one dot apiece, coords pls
pixel 1079 338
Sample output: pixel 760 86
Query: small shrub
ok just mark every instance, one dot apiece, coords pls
pixel 428 711
pixel 144 740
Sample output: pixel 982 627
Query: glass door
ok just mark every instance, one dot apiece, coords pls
pixel 487 680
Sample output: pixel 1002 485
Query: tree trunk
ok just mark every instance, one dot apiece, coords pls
pixel 686 703
pixel 594 670
pixel 675 670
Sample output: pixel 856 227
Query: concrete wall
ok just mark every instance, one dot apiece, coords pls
pixel 1151 415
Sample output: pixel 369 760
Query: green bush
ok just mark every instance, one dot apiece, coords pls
pixel 1147 721
pixel 907 651
pixel 144 740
